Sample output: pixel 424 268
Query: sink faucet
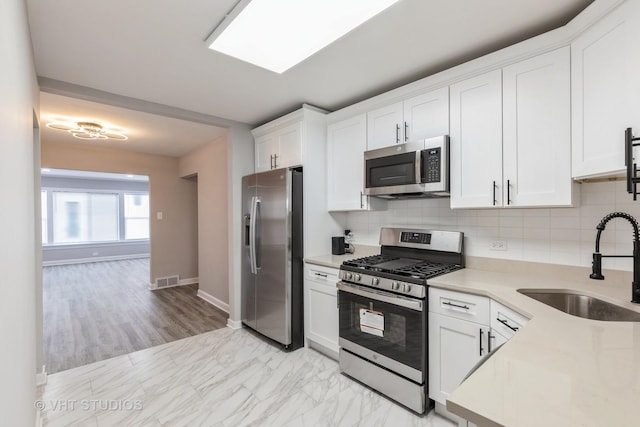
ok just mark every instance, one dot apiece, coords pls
pixel 596 265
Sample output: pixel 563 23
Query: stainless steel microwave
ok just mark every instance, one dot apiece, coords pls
pixel 414 169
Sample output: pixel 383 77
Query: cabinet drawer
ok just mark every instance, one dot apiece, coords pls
pixel 320 274
pixel 506 321
pixel 460 305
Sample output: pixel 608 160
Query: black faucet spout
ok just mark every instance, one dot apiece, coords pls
pixel 596 263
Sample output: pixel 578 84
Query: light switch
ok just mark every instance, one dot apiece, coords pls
pixel 159 215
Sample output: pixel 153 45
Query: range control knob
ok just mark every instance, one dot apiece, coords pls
pixel 395 286
pixel 375 281
pixel 356 277
pixel 348 275
pixel 406 288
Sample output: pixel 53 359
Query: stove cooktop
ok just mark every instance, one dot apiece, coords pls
pixel 401 267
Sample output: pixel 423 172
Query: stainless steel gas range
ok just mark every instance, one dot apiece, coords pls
pixel 382 304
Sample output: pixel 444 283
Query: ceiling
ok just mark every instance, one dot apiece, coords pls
pixel 147 133
pixel 154 50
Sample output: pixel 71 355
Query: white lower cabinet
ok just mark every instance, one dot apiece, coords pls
pixel 462 329
pixel 321 308
pixel 458 338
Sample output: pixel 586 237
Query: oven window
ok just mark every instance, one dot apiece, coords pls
pixel 399 169
pixel 393 331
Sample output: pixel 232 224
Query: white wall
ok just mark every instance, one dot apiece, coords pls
pixel 18 99
pixel 554 235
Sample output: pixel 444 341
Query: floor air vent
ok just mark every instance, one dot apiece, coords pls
pixel 165 282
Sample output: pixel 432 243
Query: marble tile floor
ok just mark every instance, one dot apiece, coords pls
pixel 222 378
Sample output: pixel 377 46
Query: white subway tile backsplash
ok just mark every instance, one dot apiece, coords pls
pixel 511 221
pixel 555 235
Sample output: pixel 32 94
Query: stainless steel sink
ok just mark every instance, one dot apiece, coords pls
pixel 582 305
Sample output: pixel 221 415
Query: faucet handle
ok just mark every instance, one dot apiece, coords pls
pixel 596 267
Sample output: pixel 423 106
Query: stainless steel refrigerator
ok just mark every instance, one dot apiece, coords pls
pixel 272 266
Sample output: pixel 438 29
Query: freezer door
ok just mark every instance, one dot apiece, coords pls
pixel 273 257
pixel 248 276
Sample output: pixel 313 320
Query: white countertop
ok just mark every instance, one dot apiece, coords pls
pixel 334 261
pixel 559 370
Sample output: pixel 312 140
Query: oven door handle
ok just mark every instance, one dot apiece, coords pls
pixel 379 296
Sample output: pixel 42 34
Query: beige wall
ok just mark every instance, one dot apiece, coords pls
pixel 209 163
pixel 18 327
pixel 174 238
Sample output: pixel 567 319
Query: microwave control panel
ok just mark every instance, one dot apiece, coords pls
pixel 432 164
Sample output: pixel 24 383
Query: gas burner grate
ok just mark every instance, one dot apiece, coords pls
pixel 425 270
pixel 369 261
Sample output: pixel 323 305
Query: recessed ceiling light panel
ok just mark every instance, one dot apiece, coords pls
pixel 278 34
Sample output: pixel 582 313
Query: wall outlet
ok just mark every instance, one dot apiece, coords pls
pixel 498 245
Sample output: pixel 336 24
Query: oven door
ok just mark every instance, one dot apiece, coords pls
pixel 384 328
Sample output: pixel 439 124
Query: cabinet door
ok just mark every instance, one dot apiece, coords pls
pixel 537 131
pixel 320 311
pixel 455 346
pixel 265 149
pixel 323 315
pixel 346 143
pixel 289 146
pixel 427 115
pixel 605 79
pixel 476 141
pixel 385 126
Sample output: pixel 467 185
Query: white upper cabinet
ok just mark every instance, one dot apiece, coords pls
pixel 476 141
pixel 279 148
pixel 385 126
pixel 346 144
pixel 511 135
pixel 605 78
pixel 537 131
pixel 423 116
pixel 426 115
pixel 265 147
pixel 289 146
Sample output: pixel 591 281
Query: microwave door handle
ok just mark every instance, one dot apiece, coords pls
pixel 418 167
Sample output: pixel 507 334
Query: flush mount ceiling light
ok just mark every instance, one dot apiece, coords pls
pixel 278 34
pixel 87 130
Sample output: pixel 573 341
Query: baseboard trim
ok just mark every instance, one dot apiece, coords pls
pixel 39 421
pixel 234 324
pixel 41 377
pixel 213 301
pixel 182 282
pixel 92 259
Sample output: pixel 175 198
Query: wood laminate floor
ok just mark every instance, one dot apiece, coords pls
pixel 99 310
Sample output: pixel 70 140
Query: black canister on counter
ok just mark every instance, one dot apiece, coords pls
pixel 337 245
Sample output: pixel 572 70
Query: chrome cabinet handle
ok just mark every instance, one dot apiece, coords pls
pixel 505 323
pixel 508 192
pixel 481 335
pixel 406 131
pixel 465 307
pixel 490 337
pixel 275 161
pixel 361 202
pixel 271 161
pixel 321 275
pixel 397 133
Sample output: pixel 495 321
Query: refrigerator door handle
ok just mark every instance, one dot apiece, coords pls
pixel 257 239
pixel 252 236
